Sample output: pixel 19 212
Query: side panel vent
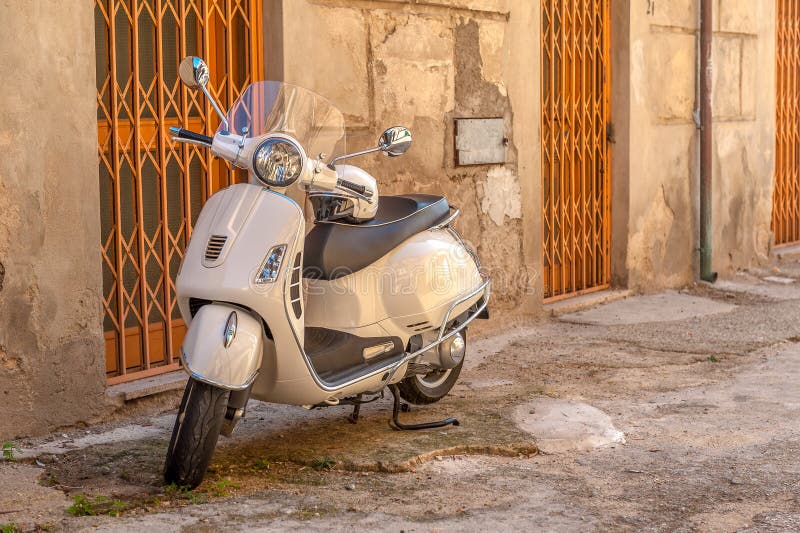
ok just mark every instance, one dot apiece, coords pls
pixel 294 287
pixel 420 326
pixel 214 247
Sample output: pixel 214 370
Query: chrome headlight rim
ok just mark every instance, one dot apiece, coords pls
pixel 275 140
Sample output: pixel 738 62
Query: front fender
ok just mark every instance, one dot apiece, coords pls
pixel 204 352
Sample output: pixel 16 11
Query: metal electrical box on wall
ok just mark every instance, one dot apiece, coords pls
pixel 480 141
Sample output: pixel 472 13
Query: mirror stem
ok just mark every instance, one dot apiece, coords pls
pixel 355 154
pixel 216 107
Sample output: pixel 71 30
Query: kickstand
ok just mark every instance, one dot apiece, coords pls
pixel 396 425
pixel 353 418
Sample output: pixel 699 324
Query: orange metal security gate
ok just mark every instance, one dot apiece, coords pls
pixel 575 155
pixel 151 190
pixel 786 196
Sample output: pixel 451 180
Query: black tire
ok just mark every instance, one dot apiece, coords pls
pixel 414 389
pixel 195 435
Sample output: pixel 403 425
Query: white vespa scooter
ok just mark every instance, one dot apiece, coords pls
pixel 377 294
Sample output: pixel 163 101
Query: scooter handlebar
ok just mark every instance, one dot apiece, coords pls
pixel 180 133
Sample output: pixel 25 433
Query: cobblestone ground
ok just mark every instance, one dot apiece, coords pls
pixel 678 411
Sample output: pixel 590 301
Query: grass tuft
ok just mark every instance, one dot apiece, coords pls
pixel 9 449
pixel 83 506
pixel 174 491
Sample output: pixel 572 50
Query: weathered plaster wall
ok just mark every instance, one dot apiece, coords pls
pixel 51 350
pixel 744 138
pixel 660 233
pixel 423 64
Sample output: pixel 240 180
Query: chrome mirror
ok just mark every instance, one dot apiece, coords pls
pixel 194 72
pixel 395 141
pixel 195 75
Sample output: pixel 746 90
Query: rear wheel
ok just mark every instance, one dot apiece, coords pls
pixel 429 388
pixel 422 389
pixel 195 434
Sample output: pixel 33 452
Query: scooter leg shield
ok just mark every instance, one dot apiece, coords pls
pixel 223 347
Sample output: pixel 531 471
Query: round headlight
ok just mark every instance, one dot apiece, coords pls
pixel 278 162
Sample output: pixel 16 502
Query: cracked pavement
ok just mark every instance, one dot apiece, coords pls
pixel 703 385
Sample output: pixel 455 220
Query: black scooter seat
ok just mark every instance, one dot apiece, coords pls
pixel 335 249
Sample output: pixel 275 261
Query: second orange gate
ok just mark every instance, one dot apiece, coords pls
pixel 786 196
pixel 576 177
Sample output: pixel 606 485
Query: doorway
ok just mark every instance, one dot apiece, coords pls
pixel 151 189
pixel 576 169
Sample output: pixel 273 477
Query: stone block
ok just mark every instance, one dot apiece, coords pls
pixel 670 77
pixel 738 16
pixel 339 56
pixel 491 35
pixel 660 246
pixel 413 67
pixel 673 13
pixel 750 75
pixel 727 57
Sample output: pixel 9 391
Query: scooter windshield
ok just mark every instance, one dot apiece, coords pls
pixel 277 107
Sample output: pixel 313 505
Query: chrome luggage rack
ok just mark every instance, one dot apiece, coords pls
pixel 444 333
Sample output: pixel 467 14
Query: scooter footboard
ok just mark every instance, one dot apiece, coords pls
pixel 223 346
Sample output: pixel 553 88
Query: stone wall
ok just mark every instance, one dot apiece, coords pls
pixel 419 63
pixel 52 366
pixel 423 64
pixel 656 174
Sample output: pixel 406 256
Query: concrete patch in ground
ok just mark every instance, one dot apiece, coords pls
pixel 371 445
pixel 780 279
pixel 23 501
pixel 561 426
pixel 774 291
pixel 67 443
pixel 665 307
pixel 288 445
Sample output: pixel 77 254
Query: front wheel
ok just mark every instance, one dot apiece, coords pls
pixel 195 434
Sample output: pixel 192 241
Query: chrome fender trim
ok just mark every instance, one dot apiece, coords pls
pixel 215 353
